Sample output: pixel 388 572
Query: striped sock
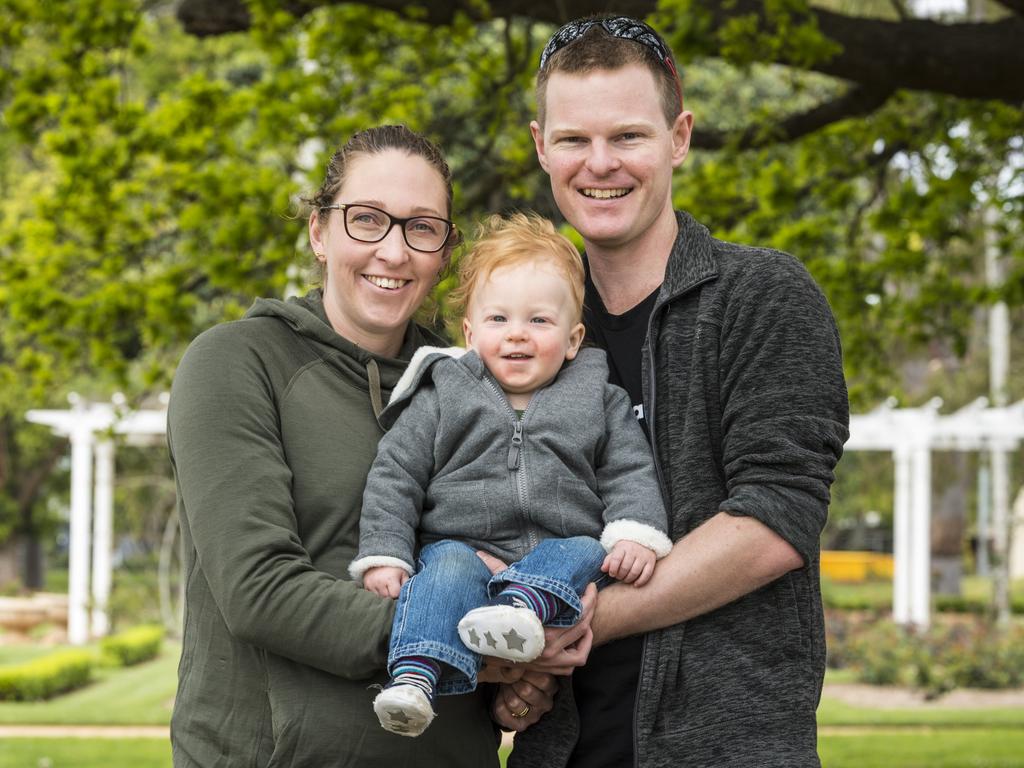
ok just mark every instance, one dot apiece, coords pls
pixel 544 604
pixel 421 671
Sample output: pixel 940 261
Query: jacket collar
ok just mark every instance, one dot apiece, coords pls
pixel 693 260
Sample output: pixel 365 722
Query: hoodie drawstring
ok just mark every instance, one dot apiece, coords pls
pixel 376 397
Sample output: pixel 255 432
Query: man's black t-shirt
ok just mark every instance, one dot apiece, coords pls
pixel 605 689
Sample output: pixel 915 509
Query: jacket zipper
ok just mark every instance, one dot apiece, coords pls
pixel 658 308
pixel 514 463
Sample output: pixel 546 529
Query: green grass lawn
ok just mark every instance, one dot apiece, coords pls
pixel 18 653
pixel 923 748
pixel 85 753
pixel 876 594
pixel 138 695
pixel 948 748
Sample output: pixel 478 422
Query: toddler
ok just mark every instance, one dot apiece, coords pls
pixel 518 446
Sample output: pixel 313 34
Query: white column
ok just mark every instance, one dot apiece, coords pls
pixel 921 536
pixel 1017 538
pixel 998 372
pixel 984 510
pixel 78 549
pixel 901 535
pixel 103 532
pixel 999 459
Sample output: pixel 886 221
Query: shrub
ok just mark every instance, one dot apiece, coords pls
pixel 964 652
pixel 46 676
pixel 134 645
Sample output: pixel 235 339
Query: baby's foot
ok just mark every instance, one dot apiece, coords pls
pixel 505 631
pixel 404 709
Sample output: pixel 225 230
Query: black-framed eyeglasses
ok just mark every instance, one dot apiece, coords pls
pixel 369 224
pixel 622 27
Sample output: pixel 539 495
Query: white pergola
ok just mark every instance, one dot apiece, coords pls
pixel 910 434
pixel 90 428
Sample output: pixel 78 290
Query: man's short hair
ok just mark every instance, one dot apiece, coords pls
pixel 596 49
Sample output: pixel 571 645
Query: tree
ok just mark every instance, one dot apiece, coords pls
pixel 115 144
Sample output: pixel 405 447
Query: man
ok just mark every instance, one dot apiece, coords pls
pixel 732 360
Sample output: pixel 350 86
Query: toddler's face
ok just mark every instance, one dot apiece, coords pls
pixel 521 322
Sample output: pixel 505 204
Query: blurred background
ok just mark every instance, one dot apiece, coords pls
pixel 152 156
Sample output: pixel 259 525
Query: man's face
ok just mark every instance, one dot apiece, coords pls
pixel 610 154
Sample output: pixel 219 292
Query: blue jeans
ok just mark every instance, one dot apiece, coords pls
pixel 451 581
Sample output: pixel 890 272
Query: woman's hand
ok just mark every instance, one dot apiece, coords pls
pixel 493 564
pixel 519 705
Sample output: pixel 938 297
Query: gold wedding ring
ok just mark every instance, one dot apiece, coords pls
pixel 522 712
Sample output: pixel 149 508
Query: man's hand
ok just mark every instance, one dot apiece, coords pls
pixel 566 648
pixel 519 705
pixel 385 580
pixel 630 562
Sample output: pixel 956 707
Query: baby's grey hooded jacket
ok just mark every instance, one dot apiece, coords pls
pixel 458 464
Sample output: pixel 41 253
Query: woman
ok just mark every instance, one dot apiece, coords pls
pixel 272 429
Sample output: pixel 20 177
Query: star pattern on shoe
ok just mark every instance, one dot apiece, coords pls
pixel 398 716
pixel 490 640
pixel 474 638
pixel 514 640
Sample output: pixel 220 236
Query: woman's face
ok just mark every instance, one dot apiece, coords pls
pixel 372 289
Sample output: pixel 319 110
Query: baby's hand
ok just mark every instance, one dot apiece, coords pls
pixel 630 562
pixel 385 580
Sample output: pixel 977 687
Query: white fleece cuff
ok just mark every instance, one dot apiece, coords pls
pixel 358 567
pixel 641 533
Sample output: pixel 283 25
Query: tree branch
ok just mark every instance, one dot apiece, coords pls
pixel 980 60
pixel 1015 6
pixel 858 100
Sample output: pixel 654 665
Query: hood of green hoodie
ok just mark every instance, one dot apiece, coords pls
pixel 306 315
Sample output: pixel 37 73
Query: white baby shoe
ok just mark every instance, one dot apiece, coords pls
pixel 404 709
pixel 504 631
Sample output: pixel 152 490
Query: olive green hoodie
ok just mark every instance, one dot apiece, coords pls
pixel 272 429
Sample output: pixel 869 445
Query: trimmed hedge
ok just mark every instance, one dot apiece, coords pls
pixel 46 676
pixel 134 645
pixel 66 670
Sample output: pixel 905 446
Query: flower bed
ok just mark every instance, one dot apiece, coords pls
pixel 962 651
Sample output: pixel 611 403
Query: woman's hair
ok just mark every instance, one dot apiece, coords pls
pixel 374 141
pixel 520 238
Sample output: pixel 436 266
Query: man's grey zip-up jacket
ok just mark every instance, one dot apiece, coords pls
pixel 459 464
pixel 744 388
